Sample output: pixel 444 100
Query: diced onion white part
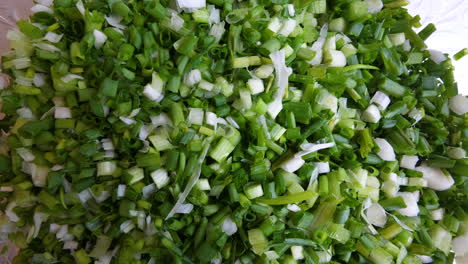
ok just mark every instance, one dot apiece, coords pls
pixel 282 75
pixel 127 226
pixel 437 56
pixel 25 112
pixel 23 81
pixel 154 90
pixel 436 178
pixel 338 59
pixel 293 207
pixel 38 219
pixel 22 63
pixel 373 182
pixel 109 154
pixel 411 200
pixel 254 191
pixel 456 153
pixel 409 162
pixel 41 8
pixel 288 50
pixel 416 114
pixel 101 197
pixel 327 101
pixel 161 120
pixel 407 45
pixel 160 177
pixel 70 245
pixel 26 167
pixel 216 190
pixel 177 22
pixel 255 86
pixel 145 130
pixel 215 16
pixel 25 154
pixel 376 215
pixel 229 227
pixel 371 114
pixel 114 21
pixel 39 79
pixel 291 10
pixel 232 122
pixel 274 25
pixel 69 77
pixel 308 148
pixel 206 85
pixel 121 190
pixel 216 261
pixel 263 124
pixel 211 119
pixel 203 184
pixel 264 71
pixel 438 214
pixel 324 256
pixel 318 46
pixel 323 167
pixel 459 104
pixel 99 39
pixel 374 6
pixel 297 252
pixel 342 36
pixel 46 47
pixel 330 43
pixel 192 78
pixel 271 255
pixel 39 175
pixel 80 7
pixel 245 100
pixel 9 212
pixel 84 196
pixel 127 121
pixel 6 189
pixel 45 2
pixel 217 30
pixel 54 228
pixel 293 164
pixel 386 150
pixel 459 245
pixel 148 190
pixel 191 183
pixel 184 208
pixel 382 100
pixel 62 112
pixel 425 259
pixel 107 144
pixel 287 27
pixel 53 37
pixel 397 38
pixel 191 4
pixel 359 176
pixel 57 167
pixel 105 168
pixel 195 116
pixel 62 234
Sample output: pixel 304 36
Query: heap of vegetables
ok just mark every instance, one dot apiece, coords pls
pixel 256 131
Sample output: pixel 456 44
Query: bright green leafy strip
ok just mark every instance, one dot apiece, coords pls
pixel 231 132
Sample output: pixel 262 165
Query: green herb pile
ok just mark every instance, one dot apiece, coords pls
pixel 255 131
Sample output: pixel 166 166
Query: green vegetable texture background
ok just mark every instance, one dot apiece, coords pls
pixel 224 131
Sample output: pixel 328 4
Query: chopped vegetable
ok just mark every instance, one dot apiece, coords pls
pixel 195 131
